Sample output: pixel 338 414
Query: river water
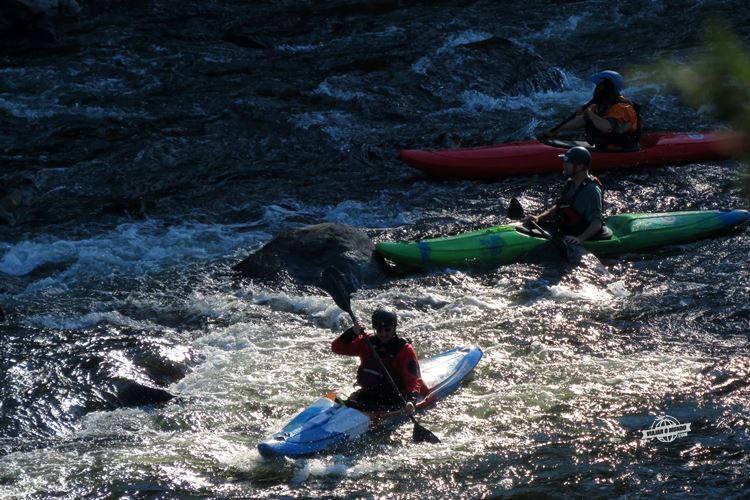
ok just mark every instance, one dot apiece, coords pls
pixel 158 143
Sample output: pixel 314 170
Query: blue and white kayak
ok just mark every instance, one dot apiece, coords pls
pixel 328 422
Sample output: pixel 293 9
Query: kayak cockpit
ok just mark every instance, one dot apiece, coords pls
pixel 540 232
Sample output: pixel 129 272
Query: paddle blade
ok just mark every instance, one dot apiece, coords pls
pixel 422 434
pixel 333 282
pixel 515 210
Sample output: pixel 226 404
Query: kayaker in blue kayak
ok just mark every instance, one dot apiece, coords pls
pixel 611 121
pixel 399 357
pixel 578 213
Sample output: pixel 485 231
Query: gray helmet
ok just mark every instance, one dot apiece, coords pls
pixel 577 155
pixel 384 317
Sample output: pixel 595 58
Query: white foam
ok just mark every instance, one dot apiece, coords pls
pixel 478 101
pixel 558 29
pixel 328 88
pixel 586 292
pixel 369 214
pixel 130 248
pixel 299 48
pixel 338 125
pixel 85 321
pixel 422 65
pixel 35 108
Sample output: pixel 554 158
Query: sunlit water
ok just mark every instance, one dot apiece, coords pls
pixel 574 368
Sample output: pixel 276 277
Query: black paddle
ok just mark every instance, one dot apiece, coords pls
pixel 556 127
pixel 516 212
pixel 333 282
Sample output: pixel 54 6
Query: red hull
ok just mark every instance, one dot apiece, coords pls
pixel 533 157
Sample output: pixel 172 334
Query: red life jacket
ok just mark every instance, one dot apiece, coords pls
pixel 369 375
pixel 569 220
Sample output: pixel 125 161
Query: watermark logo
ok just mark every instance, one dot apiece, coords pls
pixel 666 429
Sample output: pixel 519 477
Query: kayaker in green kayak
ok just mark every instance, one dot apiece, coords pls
pixel 397 354
pixel 578 213
pixel 611 121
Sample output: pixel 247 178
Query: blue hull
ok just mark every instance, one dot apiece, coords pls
pixel 326 423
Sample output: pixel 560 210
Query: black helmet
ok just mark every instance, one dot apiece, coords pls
pixel 383 317
pixel 577 155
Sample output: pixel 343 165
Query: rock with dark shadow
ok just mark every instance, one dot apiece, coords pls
pixel 33 20
pixel 302 255
pixel 19 21
pixel 17 196
pixel 131 393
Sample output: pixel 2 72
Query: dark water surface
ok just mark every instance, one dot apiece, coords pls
pixel 158 143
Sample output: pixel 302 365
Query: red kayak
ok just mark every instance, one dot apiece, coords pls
pixel 535 157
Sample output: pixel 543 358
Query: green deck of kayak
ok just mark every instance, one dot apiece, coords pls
pixel 500 245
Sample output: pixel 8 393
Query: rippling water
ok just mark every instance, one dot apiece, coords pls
pixel 165 144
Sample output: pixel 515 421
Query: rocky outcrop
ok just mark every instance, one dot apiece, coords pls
pixel 32 20
pixel 302 255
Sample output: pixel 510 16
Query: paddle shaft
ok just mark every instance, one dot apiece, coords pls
pixel 380 363
pixel 516 211
pixel 554 129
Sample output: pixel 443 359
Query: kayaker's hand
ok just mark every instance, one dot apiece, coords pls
pixel 530 218
pixel 409 408
pixel 358 328
pixel 572 240
pixel 590 109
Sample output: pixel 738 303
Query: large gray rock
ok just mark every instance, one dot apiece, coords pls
pixel 302 254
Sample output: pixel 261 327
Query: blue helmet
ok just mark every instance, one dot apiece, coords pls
pixel 613 76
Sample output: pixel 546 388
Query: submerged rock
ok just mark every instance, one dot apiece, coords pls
pixel 17 194
pixel 131 393
pixel 302 254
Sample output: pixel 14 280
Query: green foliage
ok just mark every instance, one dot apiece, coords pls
pixel 718 78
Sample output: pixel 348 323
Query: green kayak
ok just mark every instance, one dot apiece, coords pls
pixel 506 244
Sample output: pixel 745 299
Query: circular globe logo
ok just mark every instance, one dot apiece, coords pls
pixel 663 424
pixel 666 429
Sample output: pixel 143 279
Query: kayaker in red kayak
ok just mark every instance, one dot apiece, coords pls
pixel 610 121
pixel 397 354
pixel 578 213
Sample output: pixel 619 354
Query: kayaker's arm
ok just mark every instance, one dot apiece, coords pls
pixel 590 231
pixel 547 214
pixel 574 124
pixel 603 124
pixel 349 343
